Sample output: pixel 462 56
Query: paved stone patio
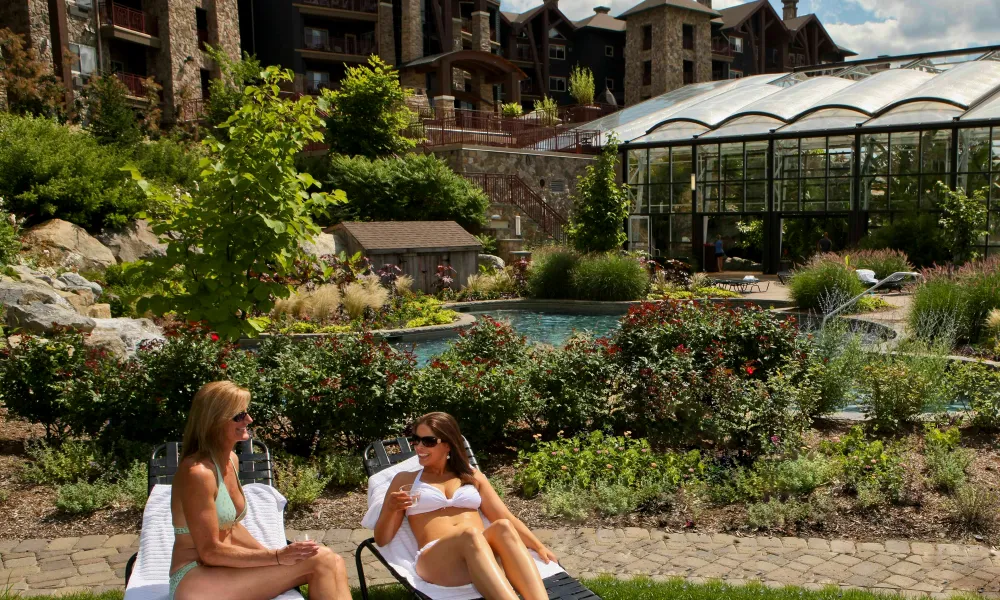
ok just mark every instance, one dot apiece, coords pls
pixel 97 562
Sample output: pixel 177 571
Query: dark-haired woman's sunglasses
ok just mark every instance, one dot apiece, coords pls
pixel 240 416
pixel 427 441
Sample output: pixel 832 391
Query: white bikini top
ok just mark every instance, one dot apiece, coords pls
pixel 431 498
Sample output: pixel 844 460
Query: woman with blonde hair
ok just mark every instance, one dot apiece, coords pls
pixel 214 555
pixel 455 547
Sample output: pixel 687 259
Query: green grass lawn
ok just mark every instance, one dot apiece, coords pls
pixel 610 588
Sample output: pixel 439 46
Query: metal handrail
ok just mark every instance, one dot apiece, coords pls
pixel 897 276
pixel 507 188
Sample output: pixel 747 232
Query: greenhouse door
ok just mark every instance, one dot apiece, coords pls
pixel 638 233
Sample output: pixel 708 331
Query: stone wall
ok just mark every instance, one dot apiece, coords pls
pixel 30 19
pixel 180 57
pixel 224 25
pixel 386 38
pixel 536 168
pixel 667 53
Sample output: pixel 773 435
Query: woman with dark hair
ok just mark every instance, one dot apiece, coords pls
pixel 214 555
pixel 455 547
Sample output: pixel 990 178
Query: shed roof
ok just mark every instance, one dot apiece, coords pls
pixel 380 237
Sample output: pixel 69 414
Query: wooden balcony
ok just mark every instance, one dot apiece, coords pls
pixel 128 24
pixel 721 48
pixel 136 85
pixel 341 49
pixel 358 10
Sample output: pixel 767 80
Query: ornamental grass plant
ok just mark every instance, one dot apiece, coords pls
pixel 824 283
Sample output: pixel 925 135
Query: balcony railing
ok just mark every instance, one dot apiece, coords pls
pixel 191 110
pixel 136 84
pixel 315 87
pixel 522 53
pixel 358 46
pixel 367 6
pixel 721 47
pixel 128 18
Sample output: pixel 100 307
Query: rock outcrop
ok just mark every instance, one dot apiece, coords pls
pixel 133 243
pixel 38 317
pixel 62 243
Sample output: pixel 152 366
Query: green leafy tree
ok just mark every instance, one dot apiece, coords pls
pixel 548 110
pixel 600 206
pixel 581 85
pixel 10 243
pixel 368 114
pixel 110 118
pixel 225 93
pixel 236 238
pixel 511 109
pixel 963 220
pixel 31 89
pixel 412 187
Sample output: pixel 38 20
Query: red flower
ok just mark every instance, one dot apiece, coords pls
pixel 214 337
pixel 750 370
pixel 223 365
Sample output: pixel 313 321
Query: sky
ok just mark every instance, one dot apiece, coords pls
pixel 869 27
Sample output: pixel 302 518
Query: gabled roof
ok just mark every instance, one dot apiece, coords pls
pixel 602 21
pixel 735 16
pixel 409 235
pixel 522 18
pixel 797 22
pixel 684 4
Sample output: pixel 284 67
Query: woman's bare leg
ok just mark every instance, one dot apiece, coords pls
pixel 517 562
pixel 465 558
pixel 325 573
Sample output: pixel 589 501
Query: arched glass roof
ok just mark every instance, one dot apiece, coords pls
pixel 827 118
pixel 715 110
pixel 634 121
pixel 672 132
pixel 791 101
pixel 872 93
pixel 987 110
pixel 960 85
pixel 749 125
pixel 917 113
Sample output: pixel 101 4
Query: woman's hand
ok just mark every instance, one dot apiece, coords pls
pixel 546 555
pixel 297 552
pixel 398 501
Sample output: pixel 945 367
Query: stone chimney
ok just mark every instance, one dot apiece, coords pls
pixel 791 9
pixel 602 10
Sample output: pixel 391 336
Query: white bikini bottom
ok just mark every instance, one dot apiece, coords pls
pixel 424 549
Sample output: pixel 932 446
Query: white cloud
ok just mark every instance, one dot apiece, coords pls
pixel 905 26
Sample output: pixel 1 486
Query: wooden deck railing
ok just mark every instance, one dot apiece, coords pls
pixel 502 188
pixel 136 84
pixel 128 18
pixel 367 6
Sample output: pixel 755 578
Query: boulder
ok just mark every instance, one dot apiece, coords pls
pixel 75 280
pixel 99 311
pixel 489 260
pixel 63 243
pixel 105 339
pixel 322 244
pixel 21 293
pixel 133 242
pixel 44 318
pixel 132 332
pixel 80 298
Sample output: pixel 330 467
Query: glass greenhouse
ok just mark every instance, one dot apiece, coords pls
pixel 847 149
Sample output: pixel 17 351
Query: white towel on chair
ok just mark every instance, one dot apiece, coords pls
pixel 401 552
pixel 151 575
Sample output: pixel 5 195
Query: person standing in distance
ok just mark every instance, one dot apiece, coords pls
pixel 720 253
pixel 825 244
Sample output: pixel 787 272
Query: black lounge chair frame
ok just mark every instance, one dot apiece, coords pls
pixel 254 462
pixel 376 458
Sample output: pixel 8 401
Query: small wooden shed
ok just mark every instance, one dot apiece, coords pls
pixel 416 247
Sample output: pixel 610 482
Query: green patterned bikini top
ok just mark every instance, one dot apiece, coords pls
pixel 224 506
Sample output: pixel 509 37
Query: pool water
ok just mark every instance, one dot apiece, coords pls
pixel 538 327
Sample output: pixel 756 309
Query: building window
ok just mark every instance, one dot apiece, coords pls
pixel 647 37
pixel 201 24
pixel 316 81
pixel 688 72
pixel 734 74
pixel 647 72
pixel 609 51
pixel 736 44
pixel 523 52
pixel 317 39
pixel 83 58
pixel 557 84
pixel 688 36
pixel 557 52
pixel 609 83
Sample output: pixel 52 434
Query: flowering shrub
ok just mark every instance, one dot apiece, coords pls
pixel 339 391
pixel 872 468
pixel 56 381
pixel 588 459
pixel 487 397
pixel 490 340
pixel 574 388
